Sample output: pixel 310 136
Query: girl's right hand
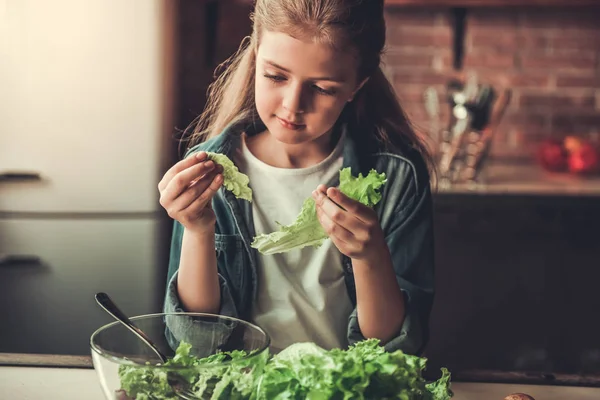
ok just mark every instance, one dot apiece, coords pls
pixel 186 192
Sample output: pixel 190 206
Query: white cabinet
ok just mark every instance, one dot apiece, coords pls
pixel 49 303
pixel 86 104
pixel 82 103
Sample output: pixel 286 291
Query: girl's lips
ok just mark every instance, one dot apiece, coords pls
pixel 289 125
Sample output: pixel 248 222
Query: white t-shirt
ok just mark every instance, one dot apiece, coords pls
pixel 302 296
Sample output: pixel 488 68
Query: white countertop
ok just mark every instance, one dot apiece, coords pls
pixel 34 383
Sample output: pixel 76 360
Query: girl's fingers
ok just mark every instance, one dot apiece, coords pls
pixel 184 179
pixel 194 191
pixel 340 236
pixel 333 211
pixel 331 226
pixel 205 196
pixel 354 207
pixel 179 167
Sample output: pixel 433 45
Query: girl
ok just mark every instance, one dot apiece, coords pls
pixel 303 98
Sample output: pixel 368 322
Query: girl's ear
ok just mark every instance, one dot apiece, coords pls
pixel 357 89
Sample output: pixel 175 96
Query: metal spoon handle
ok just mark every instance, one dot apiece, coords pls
pixel 107 304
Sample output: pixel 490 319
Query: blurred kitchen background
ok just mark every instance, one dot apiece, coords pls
pixel 94 97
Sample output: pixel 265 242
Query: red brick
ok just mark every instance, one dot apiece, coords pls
pixel 491 17
pixel 494 41
pixel 527 120
pixel 541 18
pixel 527 40
pixel 515 79
pixel 412 17
pixel 501 38
pixel 572 123
pixel 529 80
pixel 525 136
pixel 412 98
pixel 447 60
pixel 419 38
pixel 409 59
pixel 577 32
pixel 584 42
pixel 557 101
pixel 412 77
pixel 562 18
pixel 484 59
pixel 579 81
pixel 571 60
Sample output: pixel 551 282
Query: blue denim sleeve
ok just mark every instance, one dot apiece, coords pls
pixel 409 235
pixel 200 333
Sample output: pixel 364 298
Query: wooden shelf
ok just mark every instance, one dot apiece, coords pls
pixel 506 179
pixel 493 3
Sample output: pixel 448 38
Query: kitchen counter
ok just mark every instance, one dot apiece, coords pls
pixel 527 179
pixel 33 377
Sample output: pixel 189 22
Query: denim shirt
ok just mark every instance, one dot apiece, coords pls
pixel 405 216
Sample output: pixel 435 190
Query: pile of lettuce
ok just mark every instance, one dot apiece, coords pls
pixel 302 371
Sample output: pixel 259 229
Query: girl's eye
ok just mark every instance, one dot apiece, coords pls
pixel 275 78
pixel 320 90
pixel 325 92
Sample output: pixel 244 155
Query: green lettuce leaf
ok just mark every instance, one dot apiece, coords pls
pixel 363 189
pixel 306 229
pixel 440 389
pixel 233 180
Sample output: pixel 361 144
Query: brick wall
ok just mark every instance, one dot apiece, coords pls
pixel 549 57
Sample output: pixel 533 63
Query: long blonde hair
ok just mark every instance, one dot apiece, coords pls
pixel 343 24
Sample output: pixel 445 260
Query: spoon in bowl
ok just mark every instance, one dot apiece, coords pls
pixel 179 386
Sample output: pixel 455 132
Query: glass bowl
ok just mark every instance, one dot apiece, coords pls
pixel 207 354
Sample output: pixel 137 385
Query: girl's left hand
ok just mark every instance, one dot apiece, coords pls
pixel 352 226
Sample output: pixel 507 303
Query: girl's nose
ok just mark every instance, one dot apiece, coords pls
pixel 292 99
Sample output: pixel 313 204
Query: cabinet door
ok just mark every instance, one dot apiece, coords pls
pixel 48 306
pixel 83 104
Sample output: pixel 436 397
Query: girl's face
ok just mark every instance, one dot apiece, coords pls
pixel 301 86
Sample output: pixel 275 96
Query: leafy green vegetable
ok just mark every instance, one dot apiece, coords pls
pixel 306 229
pixel 363 189
pixel 364 371
pixel 233 180
pixel 208 377
pixel 440 389
pixel 302 371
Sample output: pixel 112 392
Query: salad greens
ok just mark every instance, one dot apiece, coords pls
pixel 306 229
pixel 364 371
pixel 233 180
pixel 225 375
pixel 302 371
